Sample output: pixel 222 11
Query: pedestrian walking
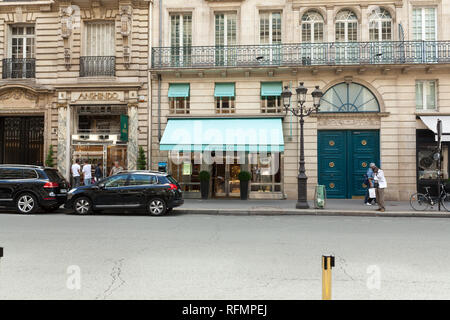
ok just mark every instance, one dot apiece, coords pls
pixel 116 168
pixel 98 174
pixel 368 181
pixel 380 186
pixel 76 172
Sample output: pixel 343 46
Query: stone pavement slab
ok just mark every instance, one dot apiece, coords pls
pixel 287 207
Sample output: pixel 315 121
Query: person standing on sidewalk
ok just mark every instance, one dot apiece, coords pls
pixel 380 185
pixel 76 173
pixel 368 181
pixel 98 174
pixel 87 173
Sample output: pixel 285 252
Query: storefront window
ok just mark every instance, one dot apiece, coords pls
pixel 186 172
pixel 427 166
pixel 265 169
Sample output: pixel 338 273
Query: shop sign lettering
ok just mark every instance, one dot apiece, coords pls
pixel 97 96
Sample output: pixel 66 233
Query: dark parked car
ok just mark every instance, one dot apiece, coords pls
pixel 28 188
pixel 156 192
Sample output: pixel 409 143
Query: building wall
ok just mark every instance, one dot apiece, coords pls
pixel 393 85
pixel 59 78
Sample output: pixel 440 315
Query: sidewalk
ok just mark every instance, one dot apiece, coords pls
pixel 333 207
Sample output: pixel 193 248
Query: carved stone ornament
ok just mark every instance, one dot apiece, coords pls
pixel 18 98
pixel 125 19
pixel 357 122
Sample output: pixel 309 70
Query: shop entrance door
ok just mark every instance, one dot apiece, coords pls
pixel 225 180
pixel 101 153
pixel 344 158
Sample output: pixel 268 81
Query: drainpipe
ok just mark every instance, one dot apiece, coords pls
pixel 159 75
pixel 149 83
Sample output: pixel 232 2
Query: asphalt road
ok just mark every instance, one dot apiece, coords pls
pixel 116 256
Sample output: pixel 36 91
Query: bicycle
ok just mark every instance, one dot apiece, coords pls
pixel 421 202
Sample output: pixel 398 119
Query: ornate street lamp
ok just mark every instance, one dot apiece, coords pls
pixel 300 111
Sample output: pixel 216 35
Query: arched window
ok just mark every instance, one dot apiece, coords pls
pixel 349 97
pixel 312 27
pixel 346 26
pixel 380 25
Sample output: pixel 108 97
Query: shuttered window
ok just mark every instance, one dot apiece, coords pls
pixel 99 39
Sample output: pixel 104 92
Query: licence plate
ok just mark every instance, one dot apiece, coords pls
pixel 63 191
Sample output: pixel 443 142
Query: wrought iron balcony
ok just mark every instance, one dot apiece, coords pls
pixel 97 66
pixel 306 54
pixel 19 68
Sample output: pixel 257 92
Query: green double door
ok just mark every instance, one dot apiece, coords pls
pixel 344 157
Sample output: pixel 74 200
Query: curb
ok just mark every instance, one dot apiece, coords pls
pixel 312 212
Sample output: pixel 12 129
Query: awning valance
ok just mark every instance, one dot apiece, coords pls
pixel 431 123
pixel 271 89
pixel 179 90
pixel 224 90
pixel 251 135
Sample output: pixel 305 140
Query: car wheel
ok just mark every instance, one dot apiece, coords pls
pixel 82 206
pixel 157 207
pixel 26 203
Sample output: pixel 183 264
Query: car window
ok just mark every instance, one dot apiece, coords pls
pixel 54 175
pixel 29 174
pixel 142 179
pixel 10 174
pixel 116 181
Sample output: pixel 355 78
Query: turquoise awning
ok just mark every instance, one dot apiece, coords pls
pixel 251 135
pixel 271 89
pixel 179 90
pixel 224 90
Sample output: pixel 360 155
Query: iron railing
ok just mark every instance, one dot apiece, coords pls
pixel 18 68
pixel 307 54
pixel 91 66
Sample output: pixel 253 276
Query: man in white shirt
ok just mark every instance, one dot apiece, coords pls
pixel 76 173
pixel 380 180
pixel 87 173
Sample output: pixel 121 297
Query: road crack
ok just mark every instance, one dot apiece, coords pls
pixel 116 279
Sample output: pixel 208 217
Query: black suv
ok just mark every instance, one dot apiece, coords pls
pixel 156 192
pixel 27 188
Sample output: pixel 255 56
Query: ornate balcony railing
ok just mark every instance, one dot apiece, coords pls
pixel 91 66
pixel 306 54
pixel 18 68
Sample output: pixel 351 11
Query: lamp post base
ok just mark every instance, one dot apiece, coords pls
pixel 302 205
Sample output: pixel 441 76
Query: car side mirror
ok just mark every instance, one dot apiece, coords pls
pixel 101 186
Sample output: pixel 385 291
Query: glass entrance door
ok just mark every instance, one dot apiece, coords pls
pixel 225 179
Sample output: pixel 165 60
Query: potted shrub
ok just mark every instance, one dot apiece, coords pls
pixel 204 183
pixel 244 177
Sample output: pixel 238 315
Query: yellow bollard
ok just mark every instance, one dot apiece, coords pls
pixel 327 264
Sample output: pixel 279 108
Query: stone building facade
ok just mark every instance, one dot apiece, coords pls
pixel 74 77
pixel 383 66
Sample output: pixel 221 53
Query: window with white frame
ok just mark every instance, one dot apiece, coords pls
pixel 346 26
pixel 225 29
pixel 22 42
pixel 225 36
pixel 179 105
pixel 270 28
pixel 312 27
pixel 271 104
pixel 424 24
pixel 99 39
pixel 426 95
pixel 380 25
pixel 225 105
pixel 181 37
